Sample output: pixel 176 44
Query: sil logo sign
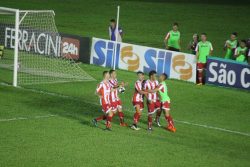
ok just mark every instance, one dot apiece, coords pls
pixel 140 58
pixel 182 67
pixel 130 58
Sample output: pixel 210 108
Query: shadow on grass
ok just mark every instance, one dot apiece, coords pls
pixel 78 110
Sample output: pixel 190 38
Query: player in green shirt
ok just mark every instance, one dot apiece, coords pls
pixel 241 52
pixel 203 49
pixel 231 45
pixel 162 90
pixel 1 51
pixel 172 40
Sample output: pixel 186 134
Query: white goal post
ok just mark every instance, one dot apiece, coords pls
pixel 33 49
pixel 4 10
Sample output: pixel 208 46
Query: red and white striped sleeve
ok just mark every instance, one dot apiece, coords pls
pixel 111 83
pixel 138 86
pixel 161 87
pixel 99 87
pixel 145 87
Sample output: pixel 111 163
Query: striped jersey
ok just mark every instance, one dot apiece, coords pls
pixel 150 85
pixel 104 90
pixel 137 96
pixel 114 94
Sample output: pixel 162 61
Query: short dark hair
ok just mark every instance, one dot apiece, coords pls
pixel 243 40
pixel 111 71
pixel 204 33
pixel 151 73
pixel 165 76
pixel 175 24
pixel 104 73
pixel 112 20
pixel 235 34
pixel 140 72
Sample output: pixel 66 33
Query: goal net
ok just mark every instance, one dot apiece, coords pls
pixel 34 55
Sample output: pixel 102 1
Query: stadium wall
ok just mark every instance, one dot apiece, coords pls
pixel 132 57
pixel 228 73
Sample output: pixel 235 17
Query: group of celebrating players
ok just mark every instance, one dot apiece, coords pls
pixel 155 92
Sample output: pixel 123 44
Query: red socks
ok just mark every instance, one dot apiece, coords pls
pixel 158 114
pixel 108 121
pixel 200 76
pixel 149 121
pixel 103 117
pixel 136 117
pixel 121 116
pixel 170 120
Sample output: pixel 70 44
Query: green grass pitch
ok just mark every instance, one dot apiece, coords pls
pixel 50 124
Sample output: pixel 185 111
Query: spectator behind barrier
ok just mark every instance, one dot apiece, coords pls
pixel 241 52
pixel 1 51
pixel 193 43
pixel 231 45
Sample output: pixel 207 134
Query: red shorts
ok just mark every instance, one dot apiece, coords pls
pixel 116 104
pixel 201 66
pixel 153 107
pixel 165 105
pixel 141 104
pixel 119 103
pixel 106 108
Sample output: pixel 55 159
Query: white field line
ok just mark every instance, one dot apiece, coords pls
pixel 26 118
pixel 178 121
pixel 212 127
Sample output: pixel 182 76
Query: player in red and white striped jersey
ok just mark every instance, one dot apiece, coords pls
pixel 138 99
pixel 103 90
pixel 153 102
pixel 116 103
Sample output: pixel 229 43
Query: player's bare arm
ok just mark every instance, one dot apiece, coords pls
pixel 98 94
pixel 166 41
pixel 142 92
pixel 154 90
pixel 211 52
pixel 197 55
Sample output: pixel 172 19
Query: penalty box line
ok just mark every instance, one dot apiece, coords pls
pixel 178 121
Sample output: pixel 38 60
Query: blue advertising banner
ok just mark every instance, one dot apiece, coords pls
pixel 132 57
pixel 228 73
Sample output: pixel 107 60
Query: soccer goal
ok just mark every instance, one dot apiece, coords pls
pixel 32 49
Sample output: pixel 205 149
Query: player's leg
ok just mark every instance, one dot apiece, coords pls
pixel 102 117
pixel 200 73
pixel 157 118
pixel 121 114
pixel 137 115
pixel 158 113
pixel 150 118
pixel 168 117
pixel 106 110
pixel 151 110
pixel 109 120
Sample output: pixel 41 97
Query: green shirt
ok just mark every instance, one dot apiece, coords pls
pixel 204 49
pixel 229 51
pixel 174 37
pixel 241 54
pixel 163 92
